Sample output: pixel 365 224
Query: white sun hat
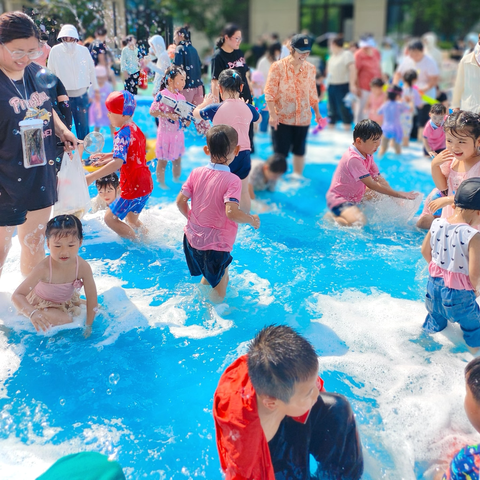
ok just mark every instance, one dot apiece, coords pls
pixel 68 31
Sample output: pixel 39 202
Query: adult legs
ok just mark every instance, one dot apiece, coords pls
pixel 31 236
pixel 298 164
pixel 329 435
pixel 360 113
pixel 79 107
pixel 6 234
pixel 333 110
pixel 345 111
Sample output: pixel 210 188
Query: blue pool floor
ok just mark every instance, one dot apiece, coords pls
pixel 140 388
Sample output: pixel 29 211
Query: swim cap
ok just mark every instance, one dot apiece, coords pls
pixel 122 102
pixel 468 194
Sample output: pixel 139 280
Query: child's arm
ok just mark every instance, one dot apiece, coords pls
pixel 20 301
pixel 438 177
pixel 182 204
pixel 90 294
pixel 474 263
pixel 426 249
pixel 251 192
pixel 233 212
pixel 208 100
pixel 110 165
pixel 380 185
pixel 438 203
pixel 427 146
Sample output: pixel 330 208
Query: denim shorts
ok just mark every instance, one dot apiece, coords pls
pixel 209 263
pixel 337 210
pixel 446 304
pixel 121 207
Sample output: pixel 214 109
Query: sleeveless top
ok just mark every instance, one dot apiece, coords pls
pixel 57 292
pixel 449 244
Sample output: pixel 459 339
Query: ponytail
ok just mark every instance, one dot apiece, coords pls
pixel 228 30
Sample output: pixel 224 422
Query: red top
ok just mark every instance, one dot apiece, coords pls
pixel 135 177
pixel 368 67
pixel 241 443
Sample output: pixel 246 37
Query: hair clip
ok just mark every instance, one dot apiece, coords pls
pixel 234 74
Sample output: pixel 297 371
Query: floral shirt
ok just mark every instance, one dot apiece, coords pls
pixel 292 93
pixel 465 465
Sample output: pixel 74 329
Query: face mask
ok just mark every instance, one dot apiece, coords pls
pixel 69 47
pixel 476 52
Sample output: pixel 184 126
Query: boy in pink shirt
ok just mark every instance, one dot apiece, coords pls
pixel 214 214
pixel 433 133
pixel 355 173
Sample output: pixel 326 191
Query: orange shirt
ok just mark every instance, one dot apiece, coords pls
pixel 292 93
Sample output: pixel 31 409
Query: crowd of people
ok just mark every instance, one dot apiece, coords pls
pixel 272 397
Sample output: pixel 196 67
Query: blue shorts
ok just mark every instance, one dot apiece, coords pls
pixel 447 304
pixel 121 207
pixel 241 164
pixel 337 211
pixel 209 263
pixel 11 217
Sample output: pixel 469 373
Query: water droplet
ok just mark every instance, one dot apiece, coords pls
pixel 19 179
pixel 114 378
pixel 42 188
pixel 51 162
pixel 62 402
pixel 109 391
pixel 45 78
pixel 58 159
pixel 41 226
pixel 16 132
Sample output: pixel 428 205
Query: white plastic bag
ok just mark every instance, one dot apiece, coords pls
pixel 73 196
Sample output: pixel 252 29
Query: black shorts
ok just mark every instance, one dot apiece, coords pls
pixel 11 217
pixel 241 164
pixel 288 138
pixel 423 116
pixel 209 263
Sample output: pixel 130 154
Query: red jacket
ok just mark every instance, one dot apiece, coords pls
pixel 241 443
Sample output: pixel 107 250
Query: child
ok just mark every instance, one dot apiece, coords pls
pixel 264 175
pixel 170 138
pixel 391 110
pixel 466 463
pixel 427 216
pixel 49 295
pixel 97 113
pixel 410 95
pixel 235 112
pixel 452 250
pixel 108 191
pixel 257 86
pixel 376 99
pixel 130 64
pixel 433 133
pixel 272 414
pixel 214 213
pixel 460 160
pixel 355 172
pixel 129 156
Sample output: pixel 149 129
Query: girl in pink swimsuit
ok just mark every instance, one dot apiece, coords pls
pixel 460 160
pixel 49 296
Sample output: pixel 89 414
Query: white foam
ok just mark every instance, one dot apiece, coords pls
pixel 418 393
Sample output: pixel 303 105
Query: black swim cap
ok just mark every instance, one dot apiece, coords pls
pixel 468 194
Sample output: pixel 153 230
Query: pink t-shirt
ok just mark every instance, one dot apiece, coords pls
pixel 346 184
pixel 368 67
pixel 435 136
pixel 210 188
pixel 46 52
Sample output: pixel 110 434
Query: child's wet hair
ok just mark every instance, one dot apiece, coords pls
pixel 377 82
pixel 278 358
pixel 367 129
pixel 63 226
pixel 463 124
pixel 410 76
pixel 221 140
pixel 438 109
pixel 277 163
pixel 170 73
pixel 108 181
pixel 393 93
pixel 472 377
pixel 230 80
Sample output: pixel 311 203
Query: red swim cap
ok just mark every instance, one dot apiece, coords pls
pixel 122 102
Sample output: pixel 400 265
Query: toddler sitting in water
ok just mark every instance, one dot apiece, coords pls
pixel 108 191
pixel 357 172
pixel 49 295
pixel 452 250
pixel 214 214
pixel 265 175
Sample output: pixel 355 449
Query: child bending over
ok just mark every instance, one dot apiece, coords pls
pixel 452 250
pixel 214 214
pixel 49 295
pixel 355 173
pixel 265 175
pixel 272 413
pixel 129 156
